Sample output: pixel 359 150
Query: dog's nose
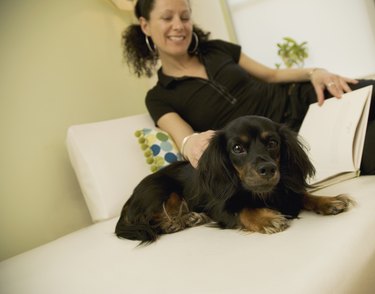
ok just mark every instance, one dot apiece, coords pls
pixel 266 170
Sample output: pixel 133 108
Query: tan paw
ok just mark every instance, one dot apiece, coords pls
pixel 277 224
pixel 335 205
pixel 263 220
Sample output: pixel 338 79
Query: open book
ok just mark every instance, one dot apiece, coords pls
pixel 334 134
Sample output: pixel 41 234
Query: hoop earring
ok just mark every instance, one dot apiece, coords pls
pixel 152 50
pixel 196 39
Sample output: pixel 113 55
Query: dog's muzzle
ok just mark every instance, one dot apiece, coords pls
pixel 262 178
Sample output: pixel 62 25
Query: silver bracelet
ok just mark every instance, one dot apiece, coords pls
pixel 184 141
pixel 311 72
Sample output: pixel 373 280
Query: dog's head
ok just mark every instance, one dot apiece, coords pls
pixel 256 154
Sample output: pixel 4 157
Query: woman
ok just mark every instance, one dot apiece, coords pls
pixel 203 84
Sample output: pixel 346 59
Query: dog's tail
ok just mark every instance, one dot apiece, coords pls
pixel 141 232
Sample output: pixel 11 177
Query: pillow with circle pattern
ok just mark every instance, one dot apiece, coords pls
pixel 158 147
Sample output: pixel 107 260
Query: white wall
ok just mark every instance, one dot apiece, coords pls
pixel 60 64
pixel 208 14
pixel 340 33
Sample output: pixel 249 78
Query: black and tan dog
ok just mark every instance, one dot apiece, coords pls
pixel 251 177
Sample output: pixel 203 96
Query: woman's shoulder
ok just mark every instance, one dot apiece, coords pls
pixel 160 91
pixel 154 92
pixel 218 45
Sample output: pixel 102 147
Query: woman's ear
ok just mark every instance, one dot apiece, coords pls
pixel 144 26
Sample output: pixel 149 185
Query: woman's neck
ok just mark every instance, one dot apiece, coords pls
pixel 183 66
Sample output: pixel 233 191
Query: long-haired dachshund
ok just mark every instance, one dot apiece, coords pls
pixel 251 177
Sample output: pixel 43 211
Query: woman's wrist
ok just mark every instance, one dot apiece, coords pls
pixel 183 144
pixel 312 71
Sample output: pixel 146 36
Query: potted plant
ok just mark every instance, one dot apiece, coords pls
pixel 292 53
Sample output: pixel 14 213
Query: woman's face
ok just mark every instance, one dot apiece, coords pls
pixel 170 27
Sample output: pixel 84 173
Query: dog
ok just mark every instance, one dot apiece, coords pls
pixel 251 177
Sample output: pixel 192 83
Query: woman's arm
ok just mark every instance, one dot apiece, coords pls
pixel 320 78
pixel 181 132
pixel 272 75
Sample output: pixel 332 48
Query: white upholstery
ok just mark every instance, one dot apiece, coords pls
pixel 316 255
pixel 108 162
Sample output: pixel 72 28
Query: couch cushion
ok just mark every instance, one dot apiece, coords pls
pixel 316 255
pixel 108 162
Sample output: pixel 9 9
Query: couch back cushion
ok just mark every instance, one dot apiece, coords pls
pixel 108 162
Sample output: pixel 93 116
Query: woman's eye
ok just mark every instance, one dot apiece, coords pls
pixel 238 149
pixel 185 17
pixel 272 144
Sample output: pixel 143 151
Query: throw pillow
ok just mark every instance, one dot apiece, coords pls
pixel 158 148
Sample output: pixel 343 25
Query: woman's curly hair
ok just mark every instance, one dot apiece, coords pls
pixel 135 51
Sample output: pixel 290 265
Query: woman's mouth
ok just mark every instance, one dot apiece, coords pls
pixel 176 38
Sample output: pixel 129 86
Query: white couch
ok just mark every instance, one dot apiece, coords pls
pixel 317 254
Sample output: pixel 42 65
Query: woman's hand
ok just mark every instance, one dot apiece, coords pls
pixel 335 84
pixel 194 146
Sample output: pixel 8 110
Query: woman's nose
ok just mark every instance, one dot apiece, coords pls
pixel 177 23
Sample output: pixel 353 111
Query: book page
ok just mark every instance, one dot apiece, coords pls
pixel 329 132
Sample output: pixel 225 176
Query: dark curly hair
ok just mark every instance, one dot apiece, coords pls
pixel 135 51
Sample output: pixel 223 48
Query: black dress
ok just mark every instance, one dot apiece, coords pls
pixel 230 92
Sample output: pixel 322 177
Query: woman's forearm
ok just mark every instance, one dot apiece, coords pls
pixel 273 75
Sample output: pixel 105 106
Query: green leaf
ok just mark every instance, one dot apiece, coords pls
pixel 291 53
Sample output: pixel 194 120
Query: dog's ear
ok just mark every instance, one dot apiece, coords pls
pixel 216 174
pixel 295 165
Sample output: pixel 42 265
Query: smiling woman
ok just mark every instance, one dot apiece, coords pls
pixel 170 27
pixel 204 84
pixel 165 30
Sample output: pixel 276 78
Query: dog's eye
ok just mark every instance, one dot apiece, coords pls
pixel 238 149
pixel 272 144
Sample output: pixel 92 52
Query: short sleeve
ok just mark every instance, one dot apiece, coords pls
pixel 156 106
pixel 230 49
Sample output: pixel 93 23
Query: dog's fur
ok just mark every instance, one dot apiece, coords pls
pixel 251 177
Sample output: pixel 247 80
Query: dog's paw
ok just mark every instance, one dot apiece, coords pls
pixel 335 205
pixel 263 220
pixel 171 226
pixel 180 222
pixel 193 219
pixel 276 224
